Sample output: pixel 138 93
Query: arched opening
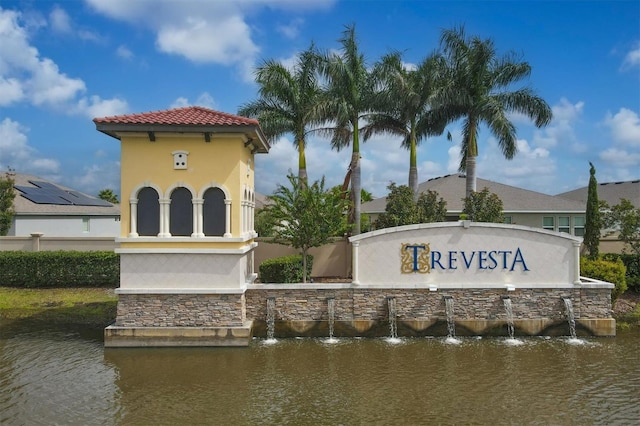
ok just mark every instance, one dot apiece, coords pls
pixel 181 213
pixel 214 212
pixel 148 212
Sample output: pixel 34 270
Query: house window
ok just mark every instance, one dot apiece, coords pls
pixel 181 213
pixel 507 220
pixel 548 222
pixel 578 226
pixel 85 225
pixel 564 224
pixel 213 219
pixel 148 212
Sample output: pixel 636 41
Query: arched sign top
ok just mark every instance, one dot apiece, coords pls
pixel 471 254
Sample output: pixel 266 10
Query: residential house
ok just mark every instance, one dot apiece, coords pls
pixel 54 210
pixel 611 192
pixel 520 206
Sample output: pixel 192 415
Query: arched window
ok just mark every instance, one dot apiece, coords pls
pixel 148 212
pixel 214 212
pixel 181 212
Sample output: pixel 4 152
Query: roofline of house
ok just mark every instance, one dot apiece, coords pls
pixel 112 129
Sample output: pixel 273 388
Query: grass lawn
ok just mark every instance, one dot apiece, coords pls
pixel 91 306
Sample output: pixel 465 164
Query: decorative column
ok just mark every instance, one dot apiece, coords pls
pixel 576 266
pixel 197 217
pixel 164 218
pixel 133 217
pixel 227 219
pixel 354 266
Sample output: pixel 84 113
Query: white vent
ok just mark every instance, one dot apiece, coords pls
pixel 180 160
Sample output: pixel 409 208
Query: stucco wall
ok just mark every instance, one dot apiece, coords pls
pixel 66 226
pixel 183 271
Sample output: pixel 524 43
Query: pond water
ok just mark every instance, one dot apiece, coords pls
pixel 66 377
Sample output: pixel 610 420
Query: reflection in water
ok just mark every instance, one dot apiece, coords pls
pixel 305 381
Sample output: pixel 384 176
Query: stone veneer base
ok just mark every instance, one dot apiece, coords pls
pixel 118 336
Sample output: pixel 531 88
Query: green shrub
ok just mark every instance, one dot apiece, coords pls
pixel 605 270
pixel 59 269
pixel 285 269
pixel 632 263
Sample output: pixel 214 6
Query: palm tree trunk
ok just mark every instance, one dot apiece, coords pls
pixel 302 163
pixel 355 177
pixel 356 188
pixel 471 175
pixel 413 168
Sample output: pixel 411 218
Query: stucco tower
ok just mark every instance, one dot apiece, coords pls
pixel 187 239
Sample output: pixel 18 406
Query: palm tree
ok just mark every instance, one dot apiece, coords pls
pixel 403 106
pixel 347 99
pixel 478 90
pixel 287 100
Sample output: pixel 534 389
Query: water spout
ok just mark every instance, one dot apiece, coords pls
pixel 508 308
pixel 451 323
pixel 393 326
pixel 331 313
pixel 271 318
pixel 568 306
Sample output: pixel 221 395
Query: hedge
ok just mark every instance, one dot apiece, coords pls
pixel 59 269
pixel 285 269
pixel 632 262
pixel 605 270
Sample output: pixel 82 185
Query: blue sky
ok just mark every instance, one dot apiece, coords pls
pixel 63 63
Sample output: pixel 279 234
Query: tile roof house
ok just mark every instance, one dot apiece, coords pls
pixel 520 206
pixel 57 211
pixel 611 192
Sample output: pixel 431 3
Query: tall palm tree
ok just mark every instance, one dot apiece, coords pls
pixel 287 100
pixel 478 91
pixel 403 105
pixel 347 99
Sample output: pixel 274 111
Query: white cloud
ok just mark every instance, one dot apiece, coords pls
pixel 94 106
pixel 97 177
pixel 16 152
pixel 292 29
pixel 205 32
pixel 531 168
pixel 124 52
pixel 10 91
pixel 561 128
pixel 26 77
pixel 620 158
pixel 48 86
pixel 203 100
pixel 60 21
pixel 632 58
pixel 625 127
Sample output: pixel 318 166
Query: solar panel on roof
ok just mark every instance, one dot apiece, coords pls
pixel 47 193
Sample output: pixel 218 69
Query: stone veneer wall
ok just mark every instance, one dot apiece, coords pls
pixel 354 304
pixel 181 310
pixel 422 304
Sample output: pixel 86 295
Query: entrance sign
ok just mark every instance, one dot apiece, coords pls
pixel 464 255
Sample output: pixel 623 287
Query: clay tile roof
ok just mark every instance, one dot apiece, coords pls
pixel 192 119
pixel 192 115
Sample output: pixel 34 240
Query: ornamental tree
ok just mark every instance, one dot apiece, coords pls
pixel 483 206
pixel 625 218
pixel 7 195
pixel 593 221
pixel 305 216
